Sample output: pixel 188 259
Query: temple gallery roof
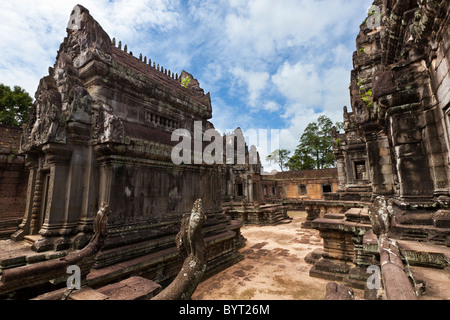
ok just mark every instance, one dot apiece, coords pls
pixel 307 174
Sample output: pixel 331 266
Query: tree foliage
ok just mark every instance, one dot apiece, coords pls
pixel 315 150
pixel 14 105
pixel 280 156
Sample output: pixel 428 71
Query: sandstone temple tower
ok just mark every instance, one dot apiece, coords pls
pixel 99 132
pixel 393 158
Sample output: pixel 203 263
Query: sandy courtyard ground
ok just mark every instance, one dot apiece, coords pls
pixel 273 268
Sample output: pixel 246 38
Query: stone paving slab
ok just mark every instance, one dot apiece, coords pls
pixel 133 288
pixel 425 254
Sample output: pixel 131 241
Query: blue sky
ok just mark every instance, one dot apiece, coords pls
pixel 267 64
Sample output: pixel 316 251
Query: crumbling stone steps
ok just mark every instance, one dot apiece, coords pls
pixel 8 227
pixel 425 254
pixel 440 236
pixel 17 254
pixel 110 256
pixel 152 264
pixel 106 275
pixel 127 252
pixel 314 256
pixel 133 288
pixel 277 217
pixel 409 267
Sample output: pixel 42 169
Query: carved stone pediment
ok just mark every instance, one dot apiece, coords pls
pixel 79 105
pixel 46 122
pixel 107 126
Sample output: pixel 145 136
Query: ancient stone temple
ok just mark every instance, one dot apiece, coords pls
pixel 394 156
pixel 99 131
pixel 242 187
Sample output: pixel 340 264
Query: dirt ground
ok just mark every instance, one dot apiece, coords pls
pixel 273 267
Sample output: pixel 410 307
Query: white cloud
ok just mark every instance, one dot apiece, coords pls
pixel 226 119
pixel 255 82
pixel 336 91
pixel 271 106
pixel 341 54
pixel 299 83
pixel 311 90
pixel 266 26
pixel 318 88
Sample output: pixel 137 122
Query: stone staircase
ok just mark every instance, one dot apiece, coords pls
pixel 424 225
pixel 8 227
pixel 132 288
pixel 256 213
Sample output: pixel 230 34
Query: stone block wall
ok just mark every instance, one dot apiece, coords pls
pixel 314 188
pixel 304 184
pixel 13 181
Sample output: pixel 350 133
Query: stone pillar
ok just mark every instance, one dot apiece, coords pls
pixel 54 193
pixel 105 182
pixel 250 188
pixel 37 214
pixel 89 205
pixel 342 176
pixel 74 192
pixel 58 163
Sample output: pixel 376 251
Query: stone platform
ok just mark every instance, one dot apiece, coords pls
pixel 347 241
pixel 410 269
pixel 161 265
pixel 256 213
pixel 133 288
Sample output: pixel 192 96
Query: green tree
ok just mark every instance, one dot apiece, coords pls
pixel 14 105
pixel 301 160
pixel 315 150
pixel 280 156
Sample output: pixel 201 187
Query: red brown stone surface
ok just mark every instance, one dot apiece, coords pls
pixel 13 180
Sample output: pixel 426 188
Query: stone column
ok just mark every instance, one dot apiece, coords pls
pixel 105 183
pixel 36 203
pixel 89 205
pixel 57 161
pixel 250 188
pixel 342 176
